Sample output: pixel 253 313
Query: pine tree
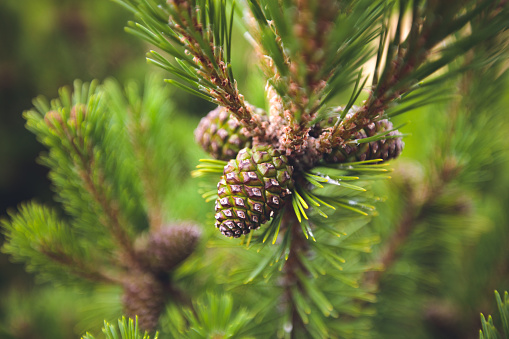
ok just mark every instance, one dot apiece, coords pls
pixel 301 181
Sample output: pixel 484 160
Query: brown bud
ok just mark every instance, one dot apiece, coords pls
pixel 167 247
pixel 144 296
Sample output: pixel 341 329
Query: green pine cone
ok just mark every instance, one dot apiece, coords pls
pixel 165 248
pixel 384 149
pixel 252 189
pixel 144 296
pixel 219 134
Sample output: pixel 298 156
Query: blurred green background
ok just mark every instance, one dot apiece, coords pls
pixel 46 44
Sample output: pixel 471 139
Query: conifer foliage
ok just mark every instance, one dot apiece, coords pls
pixel 294 180
pixel 98 166
pixel 489 330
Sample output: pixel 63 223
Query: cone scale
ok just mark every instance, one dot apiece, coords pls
pixel 254 187
pixel 384 149
pixel 220 134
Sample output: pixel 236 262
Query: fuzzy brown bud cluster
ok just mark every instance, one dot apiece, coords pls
pixel 144 296
pixel 147 286
pixel 167 247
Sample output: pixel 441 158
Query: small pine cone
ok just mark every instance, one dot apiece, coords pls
pixel 253 187
pixel 167 247
pixel 144 296
pixel 384 149
pixel 219 134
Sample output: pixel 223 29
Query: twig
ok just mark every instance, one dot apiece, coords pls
pixel 225 91
pixel 145 157
pixel 112 212
pixel 79 268
pixel 292 266
pixel 414 211
pixel 110 209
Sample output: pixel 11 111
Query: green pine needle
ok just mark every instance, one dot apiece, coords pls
pixel 209 167
pixel 489 330
pixel 125 329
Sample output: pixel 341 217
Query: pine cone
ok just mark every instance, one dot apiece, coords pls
pixel 169 246
pixel 384 149
pixel 143 297
pixel 219 134
pixel 253 187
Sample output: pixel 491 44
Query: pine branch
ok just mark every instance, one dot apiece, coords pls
pixel 307 64
pixel 417 203
pixel 147 115
pixel 146 171
pixel 198 35
pixel 420 197
pixel 74 130
pixel 465 150
pixel 80 268
pixel 113 221
pixel 73 144
pixel 82 154
pixel 103 196
pixel 292 268
pixel 205 43
pixel 36 236
pixel 409 61
pixel 304 248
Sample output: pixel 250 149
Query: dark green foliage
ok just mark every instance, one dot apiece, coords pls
pixel 344 252
pixel 104 167
pixel 38 237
